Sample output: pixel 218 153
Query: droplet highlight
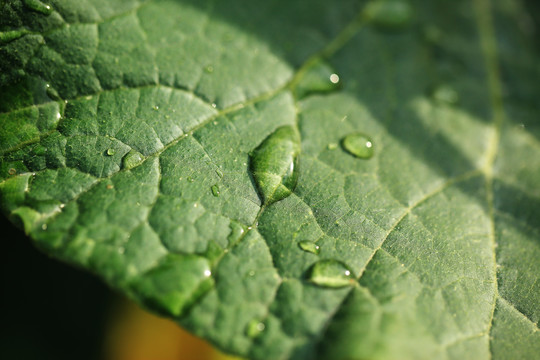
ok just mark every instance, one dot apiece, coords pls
pixel 38 6
pixel 254 328
pixel 331 274
pixel 359 145
pixel 309 246
pixel 274 164
pixel 132 159
pixel 389 14
pixel 110 152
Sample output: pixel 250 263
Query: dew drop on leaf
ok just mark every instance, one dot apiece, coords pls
pixel 132 159
pixel 215 190
pixel 389 14
pixel 38 6
pixel 110 152
pixel 254 328
pixel 309 246
pixel 330 273
pixel 274 164
pixel 359 145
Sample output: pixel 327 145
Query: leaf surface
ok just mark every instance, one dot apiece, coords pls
pixel 127 146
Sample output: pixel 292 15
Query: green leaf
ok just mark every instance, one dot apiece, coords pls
pixel 141 140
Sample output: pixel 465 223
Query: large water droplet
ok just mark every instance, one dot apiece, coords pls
pixel 254 328
pixel 38 6
pixel 274 164
pixel 309 246
pixel 359 145
pixel 389 14
pixel 132 159
pixel 330 273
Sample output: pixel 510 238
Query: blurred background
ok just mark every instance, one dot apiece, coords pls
pixel 52 311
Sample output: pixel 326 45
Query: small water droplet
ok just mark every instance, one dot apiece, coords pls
pixel 334 78
pixel 219 173
pixel 309 246
pixel 251 273
pixel 132 159
pixel 389 14
pixel 214 105
pixel 318 77
pixel 111 152
pixel 209 69
pixel 44 227
pixel 207 272
pixel 330 273
pixel 446 95
pixel 359 145
pixel 215 190
pixel 332 146
pixel 254 328
pixel 190 179
pixel 274 164
pixel 38 6
pixel 156 107
pixel 62 206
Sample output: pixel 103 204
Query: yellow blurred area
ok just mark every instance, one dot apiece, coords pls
pixel 135 334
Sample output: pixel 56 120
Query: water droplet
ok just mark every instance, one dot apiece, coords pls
pixel 111 152
pixel 215 190
pixel 389 14
pixel 190 179
pixel 214 105
pixel 12 171
pixel 209 69
pixel 254 328
pixel 318 77
pixel 132 159
pixel 156 107
pixel 207 272
pixel 274 164
pixel 309 246
pixel 38 6
pixel 330 273
pixel 332 146
pixel 44 227
pixel 359 145
pixel 446 95
pixel 219 173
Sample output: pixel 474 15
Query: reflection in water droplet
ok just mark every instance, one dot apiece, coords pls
pixel 38 6
pixel 215 190
pixel 446 95
pixel 274 164
pixel 318 77
pixel 389 14
pixel 359 145
pixel 254 328
pixel 330 273
pixel 132 159
pixel 309 247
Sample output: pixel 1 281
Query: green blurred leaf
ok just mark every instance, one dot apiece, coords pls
pixel 129 133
